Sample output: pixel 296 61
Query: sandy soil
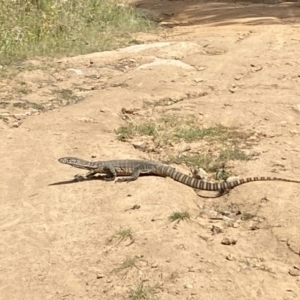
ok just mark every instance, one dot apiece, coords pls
pixel 237 64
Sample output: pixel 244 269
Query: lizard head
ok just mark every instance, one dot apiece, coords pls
pixel 74 162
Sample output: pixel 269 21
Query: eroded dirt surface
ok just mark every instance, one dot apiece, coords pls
pixel 232 64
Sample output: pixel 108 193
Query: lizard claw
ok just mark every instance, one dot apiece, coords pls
pixel 79 177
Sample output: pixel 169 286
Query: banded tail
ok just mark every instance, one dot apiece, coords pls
pixel 212 186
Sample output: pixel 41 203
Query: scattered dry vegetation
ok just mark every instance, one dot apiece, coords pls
pixel 128 263
pixel 143 292
pixel 121 235
pixel 223 144
pixel 33 31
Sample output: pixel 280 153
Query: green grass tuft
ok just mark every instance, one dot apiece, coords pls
pixel 130 130
pixel 143 292
pixel 128 263
pixel 123 234
pixel 179 216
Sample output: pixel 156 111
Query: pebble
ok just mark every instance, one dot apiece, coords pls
pixel 294 271
pixel 235 225
pixel 78 72
pixel 296 107
pixel 233 89
pixel 229 241
pixel 216 229
pixel 183 147
pixel 142 146
pixel 230 257
pixel 15 124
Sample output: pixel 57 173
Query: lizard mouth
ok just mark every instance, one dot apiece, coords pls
pixel 73 161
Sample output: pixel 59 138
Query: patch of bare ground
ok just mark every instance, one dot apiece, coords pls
pixel 194 92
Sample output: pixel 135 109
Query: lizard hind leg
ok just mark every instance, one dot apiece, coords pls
pixel 110 173
pixel 134 175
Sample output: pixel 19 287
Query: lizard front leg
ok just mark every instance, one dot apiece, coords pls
pixel 109 171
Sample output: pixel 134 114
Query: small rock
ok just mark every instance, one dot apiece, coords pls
pixel 226 213
pixel 294 271
pixel 140 145
pixel 233 88
pixel 183 147
pixel 230 257
pixel 15 124
pixel 213 215
pixel 252 138
pixel 78 72
pixel 253 226
pixel 154 265
pixel 198 80
pixel 256 68
pixel 233 178
pixel 229 241
pixel 167 24
pixel 296 107
pixel 226 219
pixel 199 174
pixel 216 229
pixel 86 119
pixel 237 77
pixel 188 286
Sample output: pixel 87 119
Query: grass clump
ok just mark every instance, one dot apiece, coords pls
pixel 126 132
pixel 193 160
pixel 179 216
pixel 232 154
pixel 128 263
pixel 173 129
pixel 143 292
pixel 65 97
pixel 27 104
pixel 247 216
pixel 223 143
pixel 209 161
pixel 122 235
pixel 192 134
pixel 57 27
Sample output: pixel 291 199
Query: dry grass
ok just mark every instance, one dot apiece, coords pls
pixel 31 28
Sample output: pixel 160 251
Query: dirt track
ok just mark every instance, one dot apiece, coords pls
pixel 230 68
